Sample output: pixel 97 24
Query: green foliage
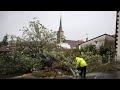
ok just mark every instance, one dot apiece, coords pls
pixel 104 50
pixel 89 48
pixel 4 41
pixel 37 37
pixel 29 50
pixel 11 63
pixel 107 52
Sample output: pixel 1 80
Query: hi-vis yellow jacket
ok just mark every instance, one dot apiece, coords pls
pixel 80 62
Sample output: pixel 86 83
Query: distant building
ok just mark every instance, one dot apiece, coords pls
pixel 118 37
pixel 68 44
pixel 104 39
pixel 65 45
pixel 60 33
pixel 74 44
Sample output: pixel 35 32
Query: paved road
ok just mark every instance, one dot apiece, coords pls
pixel 107 75
pixel 99 75
pixel 102 75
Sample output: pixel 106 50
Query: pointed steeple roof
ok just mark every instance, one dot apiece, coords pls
pixel 60 27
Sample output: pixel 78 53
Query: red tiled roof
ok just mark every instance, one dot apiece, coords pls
pixel 73 43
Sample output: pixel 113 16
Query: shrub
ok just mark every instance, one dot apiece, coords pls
pixel 12 63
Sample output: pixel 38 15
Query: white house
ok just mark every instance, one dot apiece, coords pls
pixel 104 39
pixel 65 45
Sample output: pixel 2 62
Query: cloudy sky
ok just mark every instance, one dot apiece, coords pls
pixel 76 24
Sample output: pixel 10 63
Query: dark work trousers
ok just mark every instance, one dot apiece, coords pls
pixel 83 72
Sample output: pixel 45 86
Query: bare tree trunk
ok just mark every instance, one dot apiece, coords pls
pixel 73 73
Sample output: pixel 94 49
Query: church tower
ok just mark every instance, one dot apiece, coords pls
pixel 60 33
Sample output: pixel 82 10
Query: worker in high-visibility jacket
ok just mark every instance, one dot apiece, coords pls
pixel 81 66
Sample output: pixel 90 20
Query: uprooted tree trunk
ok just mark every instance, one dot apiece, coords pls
pixel 73 72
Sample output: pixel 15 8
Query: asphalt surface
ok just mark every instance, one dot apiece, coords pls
pixel 96 75
pixel 102 75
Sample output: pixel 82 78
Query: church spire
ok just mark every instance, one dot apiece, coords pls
pixel 60 27
pixel 60 32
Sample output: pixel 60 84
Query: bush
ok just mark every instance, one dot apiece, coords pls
pixel 89 48
pixel 12 63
